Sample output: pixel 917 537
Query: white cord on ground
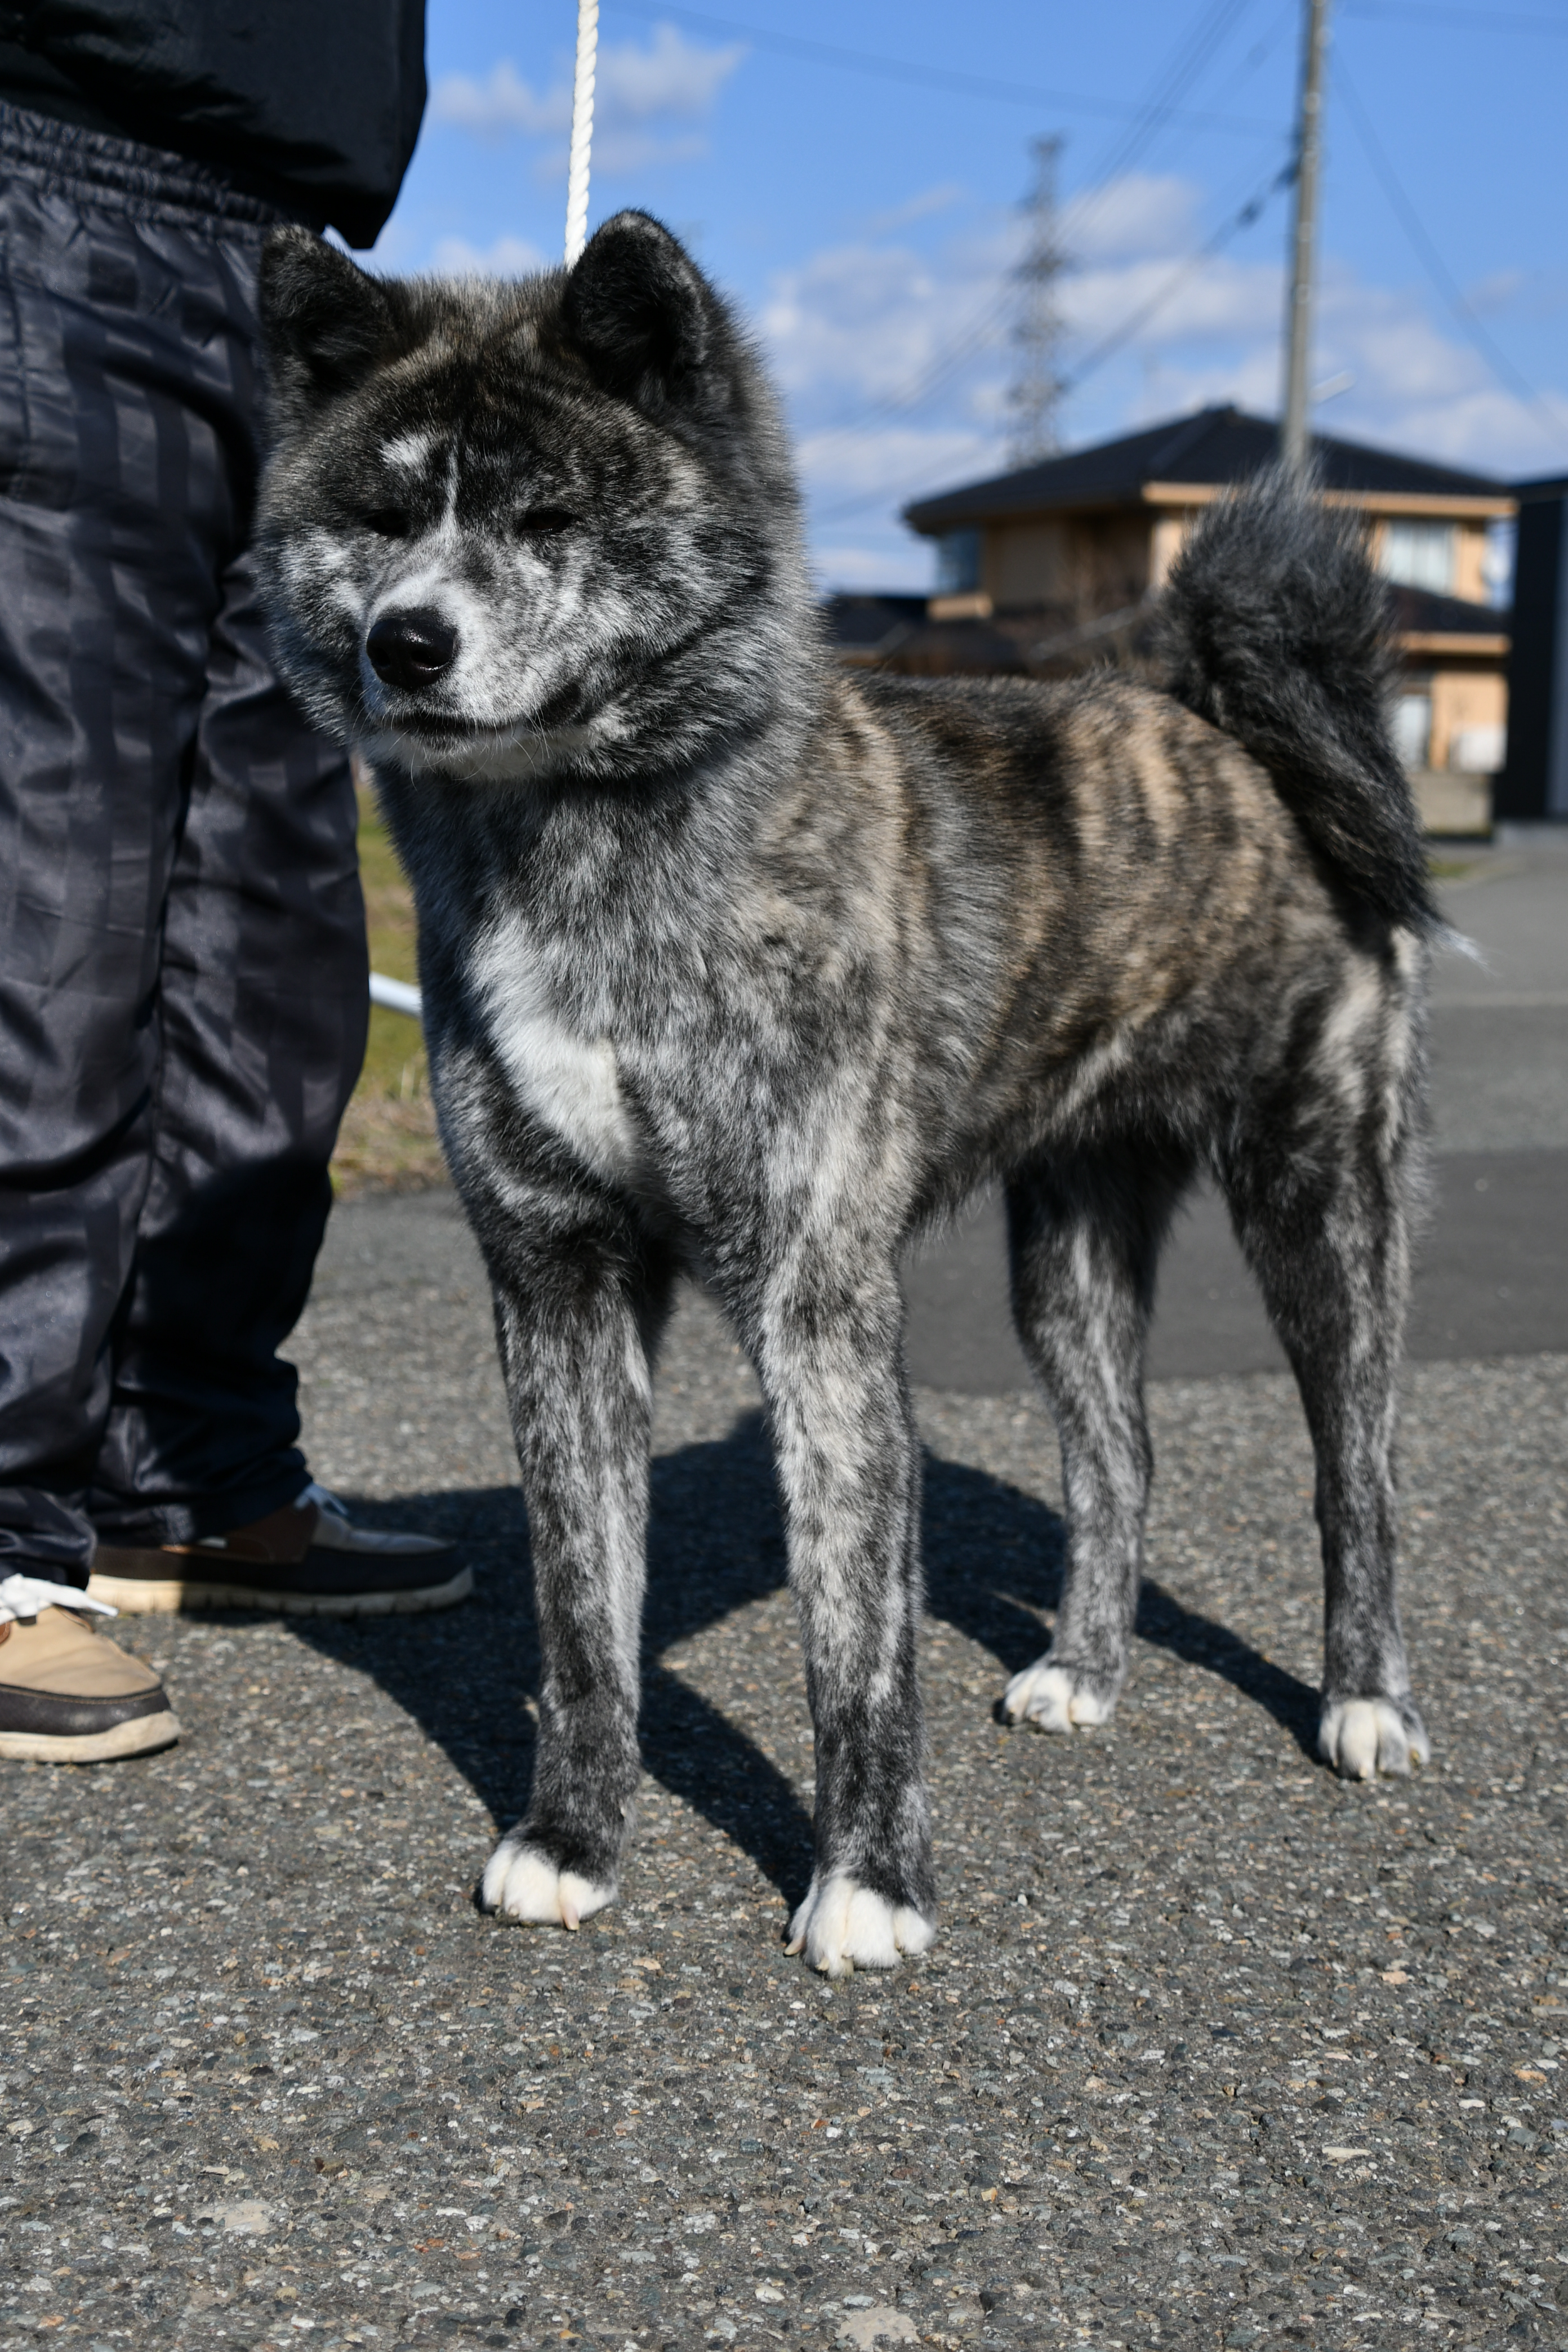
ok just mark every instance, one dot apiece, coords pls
pixel 581 129
pixel 397 995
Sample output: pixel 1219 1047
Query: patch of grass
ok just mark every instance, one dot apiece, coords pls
pixel 387 1142
pixel 1450 869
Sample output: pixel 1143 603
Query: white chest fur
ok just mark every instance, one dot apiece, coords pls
pixel 569 1081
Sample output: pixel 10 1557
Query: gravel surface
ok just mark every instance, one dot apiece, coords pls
pixel 1213 2050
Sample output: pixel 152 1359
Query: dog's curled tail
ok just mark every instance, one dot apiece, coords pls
pixel 1275 627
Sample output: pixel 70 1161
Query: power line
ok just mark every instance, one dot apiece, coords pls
pixel 1252 210
pixel 1109 345
pixel 1152 112
pixel 984 324
pixel 1432 261
pixel 1248 65
pixel 905 69
pixel 1158 108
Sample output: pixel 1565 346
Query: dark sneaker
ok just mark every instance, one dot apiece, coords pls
pixel 307 1560
pixel 68 1696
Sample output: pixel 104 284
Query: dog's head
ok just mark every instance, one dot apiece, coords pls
pixel 510 530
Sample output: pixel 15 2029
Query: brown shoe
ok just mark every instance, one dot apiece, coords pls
pixel 66 1694
pixel 307 1560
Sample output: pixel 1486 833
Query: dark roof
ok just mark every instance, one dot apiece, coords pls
pixel 1549 486
pixel 1217 444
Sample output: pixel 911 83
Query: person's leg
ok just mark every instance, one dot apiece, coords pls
pixel 116 505
pixel 90 806
pixel 201 1496
pixel 265 1003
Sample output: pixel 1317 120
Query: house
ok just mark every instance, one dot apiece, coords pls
pixel 1054 566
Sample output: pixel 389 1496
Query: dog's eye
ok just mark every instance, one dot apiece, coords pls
pixel 543 522
pixel 387 522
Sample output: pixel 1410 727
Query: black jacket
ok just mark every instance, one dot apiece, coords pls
pixel 314 103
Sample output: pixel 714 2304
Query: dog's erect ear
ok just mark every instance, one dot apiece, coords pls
pixel 324 322
pixel 640 310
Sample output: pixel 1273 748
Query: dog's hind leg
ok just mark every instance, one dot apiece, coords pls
pixel 827 1342
pixel 1324 1220
pixel 1085 1232
pixel 579 1298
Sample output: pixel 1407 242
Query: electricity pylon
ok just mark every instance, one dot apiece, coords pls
pixel 1035 395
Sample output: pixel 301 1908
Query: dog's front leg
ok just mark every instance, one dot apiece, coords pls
pixel 829 1355
pixel 576 1306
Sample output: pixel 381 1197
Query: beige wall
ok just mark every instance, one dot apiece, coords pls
pixel 1086 565
pixel 1025 563
pixel 1092 563
pixel 1169 532
pixel 1461 699
pixel 1470 578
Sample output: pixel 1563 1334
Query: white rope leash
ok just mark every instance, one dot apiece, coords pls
pixel 395 995
pixel 581 129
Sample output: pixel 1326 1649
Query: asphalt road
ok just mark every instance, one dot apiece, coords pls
pixel 1213 2050
pixel 1492 1276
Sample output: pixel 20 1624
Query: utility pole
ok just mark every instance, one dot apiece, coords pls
pixel 1035 393
pixel 1293 437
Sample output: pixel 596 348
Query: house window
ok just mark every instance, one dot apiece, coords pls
pixel 1421 554
pixel 1480 750
pixel 957 562
pixel 1412 726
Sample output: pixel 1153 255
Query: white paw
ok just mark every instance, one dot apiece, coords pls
pixel 1049 1696
pixel 1364 1736
pixel 520 1883
pixel 842 1927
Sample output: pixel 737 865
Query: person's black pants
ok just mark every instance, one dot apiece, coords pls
pixel 183 969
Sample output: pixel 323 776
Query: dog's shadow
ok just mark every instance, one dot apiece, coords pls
pixel 993 1563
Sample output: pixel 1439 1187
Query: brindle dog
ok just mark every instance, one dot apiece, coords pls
pixel 738 967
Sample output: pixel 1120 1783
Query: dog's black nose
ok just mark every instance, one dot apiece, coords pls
pixel 412 649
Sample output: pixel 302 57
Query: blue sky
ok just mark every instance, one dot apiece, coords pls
pixel 868 224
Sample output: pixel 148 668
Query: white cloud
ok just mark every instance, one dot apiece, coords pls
pixel 893 355
pixel 1143 214
pixel 509 256
pixel 904 568
pixel 629 151
pixel 671 80
pixel 1498 292
pixel 939 199
pixel 856 319
pixel 502 103
pixel 844 464
pixel 1418 387
pixel 1220 300
pixel 672 76
pixel 874 321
